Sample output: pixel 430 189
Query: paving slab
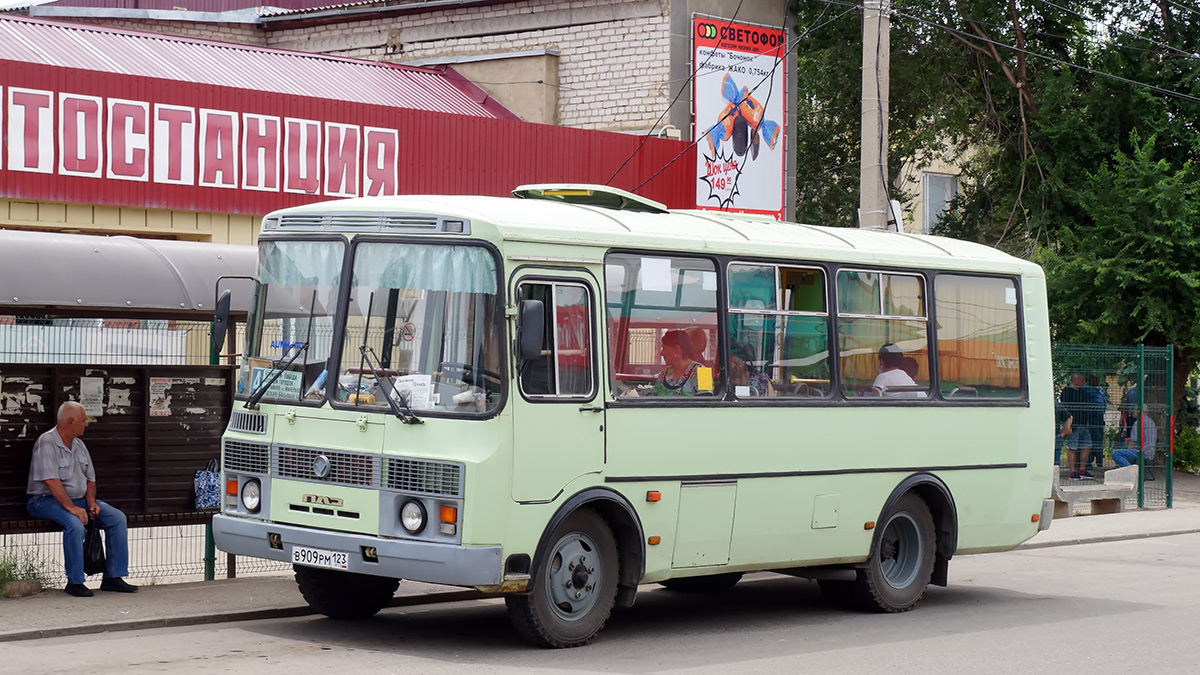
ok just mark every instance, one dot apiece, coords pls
pixel 53 613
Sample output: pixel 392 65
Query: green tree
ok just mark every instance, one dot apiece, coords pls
pixel 1133 273
pixel 1079 122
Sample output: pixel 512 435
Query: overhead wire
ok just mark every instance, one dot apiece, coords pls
pixel 737 175
pixel 1052 59
pixel 1138 36
pixel 670 105
pixel 808 31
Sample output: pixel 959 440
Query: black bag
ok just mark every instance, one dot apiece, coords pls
pixel 93 549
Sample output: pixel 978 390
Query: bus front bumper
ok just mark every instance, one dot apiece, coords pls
pixel 1047 515
pixel 398 559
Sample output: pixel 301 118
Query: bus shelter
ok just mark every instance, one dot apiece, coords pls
pixel 121 325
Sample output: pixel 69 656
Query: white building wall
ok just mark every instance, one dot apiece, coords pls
pixel 614 58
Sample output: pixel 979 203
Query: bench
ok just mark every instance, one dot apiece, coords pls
pixel 35 525
pixel 1096 499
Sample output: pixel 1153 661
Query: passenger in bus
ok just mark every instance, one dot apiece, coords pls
pixel 892 381
pixel 699 339
pixel 747 380
pixel 680 376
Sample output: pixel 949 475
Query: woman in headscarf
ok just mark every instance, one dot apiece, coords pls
pixel 679 378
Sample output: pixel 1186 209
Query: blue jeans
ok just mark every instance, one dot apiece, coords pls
pixel 1125 457
pixel 112 521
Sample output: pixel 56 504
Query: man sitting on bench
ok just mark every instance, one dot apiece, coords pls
pixel 62 488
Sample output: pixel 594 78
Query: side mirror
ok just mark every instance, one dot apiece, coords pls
pixel 531 317
pixel 221 321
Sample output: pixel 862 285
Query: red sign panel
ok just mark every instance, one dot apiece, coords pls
pixel 77 136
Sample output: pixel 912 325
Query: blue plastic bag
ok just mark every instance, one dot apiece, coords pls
pixel 208 487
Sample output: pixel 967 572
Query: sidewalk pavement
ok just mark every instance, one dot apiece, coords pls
pixel 53 613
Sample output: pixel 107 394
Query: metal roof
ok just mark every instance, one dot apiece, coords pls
pixel 99 49
pixel 46 269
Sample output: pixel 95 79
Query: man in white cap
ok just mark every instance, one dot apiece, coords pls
pixel 892 380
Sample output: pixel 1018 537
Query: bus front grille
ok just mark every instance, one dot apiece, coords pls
pixel 246 457
pixel 342 468
pixel 440 479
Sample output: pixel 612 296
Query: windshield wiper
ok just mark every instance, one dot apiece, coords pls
pixel 276 371
pixel 393 403
pixel 410 418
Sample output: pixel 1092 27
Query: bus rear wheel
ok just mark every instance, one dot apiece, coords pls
pixel 899 569
pixel 576 587
pixel 711 583
pixel 344 595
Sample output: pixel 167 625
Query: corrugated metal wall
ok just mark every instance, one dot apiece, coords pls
pixel 160 424
pixel 439 153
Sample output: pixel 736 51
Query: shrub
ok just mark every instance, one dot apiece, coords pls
pixel 1187 450
pixel 17 566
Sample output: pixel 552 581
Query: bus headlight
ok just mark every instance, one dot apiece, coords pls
pixel 251 495
pixel 412 516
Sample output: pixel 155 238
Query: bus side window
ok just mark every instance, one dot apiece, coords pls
pixel 883 334
pixel 778 331
pixel 979 353
pixel 565 368
pixel 652 297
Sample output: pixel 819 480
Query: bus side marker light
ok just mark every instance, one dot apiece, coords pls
pixel 1036 517
pixel 231 486
pixel 653 496
pixel 869 525
pixel 654 541
pixel 448 515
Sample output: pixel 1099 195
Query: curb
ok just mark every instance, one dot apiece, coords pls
pixel 1101 539
pixel 227 617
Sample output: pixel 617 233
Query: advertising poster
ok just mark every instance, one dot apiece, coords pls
pixel 738 103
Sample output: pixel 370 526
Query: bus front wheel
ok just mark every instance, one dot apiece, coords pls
pixel 344 595
pixel 899 569
pixel 576 587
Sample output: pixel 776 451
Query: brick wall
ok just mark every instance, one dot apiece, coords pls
pixel 614 58
pixel 247 34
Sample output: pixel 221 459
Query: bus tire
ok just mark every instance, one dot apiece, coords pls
pixel 901 565
pixel 575 588
pixel 712 583
pixel 344 595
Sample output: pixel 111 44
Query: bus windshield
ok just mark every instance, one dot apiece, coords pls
pixel 423 323
pixel 293 332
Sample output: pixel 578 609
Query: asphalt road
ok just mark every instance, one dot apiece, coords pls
pixel 1115 607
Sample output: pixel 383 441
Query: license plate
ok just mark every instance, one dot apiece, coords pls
pixel 319 557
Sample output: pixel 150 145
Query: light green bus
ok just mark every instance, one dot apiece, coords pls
pixel 563 396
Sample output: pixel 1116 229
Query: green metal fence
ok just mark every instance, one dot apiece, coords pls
pixel 1118 400
pixel 157 555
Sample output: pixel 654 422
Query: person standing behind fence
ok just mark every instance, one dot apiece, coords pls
pixel 1098 397
pixel 1077 401
pixel 62 488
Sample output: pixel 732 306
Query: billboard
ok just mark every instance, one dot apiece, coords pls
pixel 738 108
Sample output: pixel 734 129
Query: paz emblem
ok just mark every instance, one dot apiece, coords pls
pixel 320 466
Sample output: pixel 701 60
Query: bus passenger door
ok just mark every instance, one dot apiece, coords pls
pixel 558 417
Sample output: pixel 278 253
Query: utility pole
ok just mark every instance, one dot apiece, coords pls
pixel 873 207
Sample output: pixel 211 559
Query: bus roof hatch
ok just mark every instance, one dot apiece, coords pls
pixel 590 195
